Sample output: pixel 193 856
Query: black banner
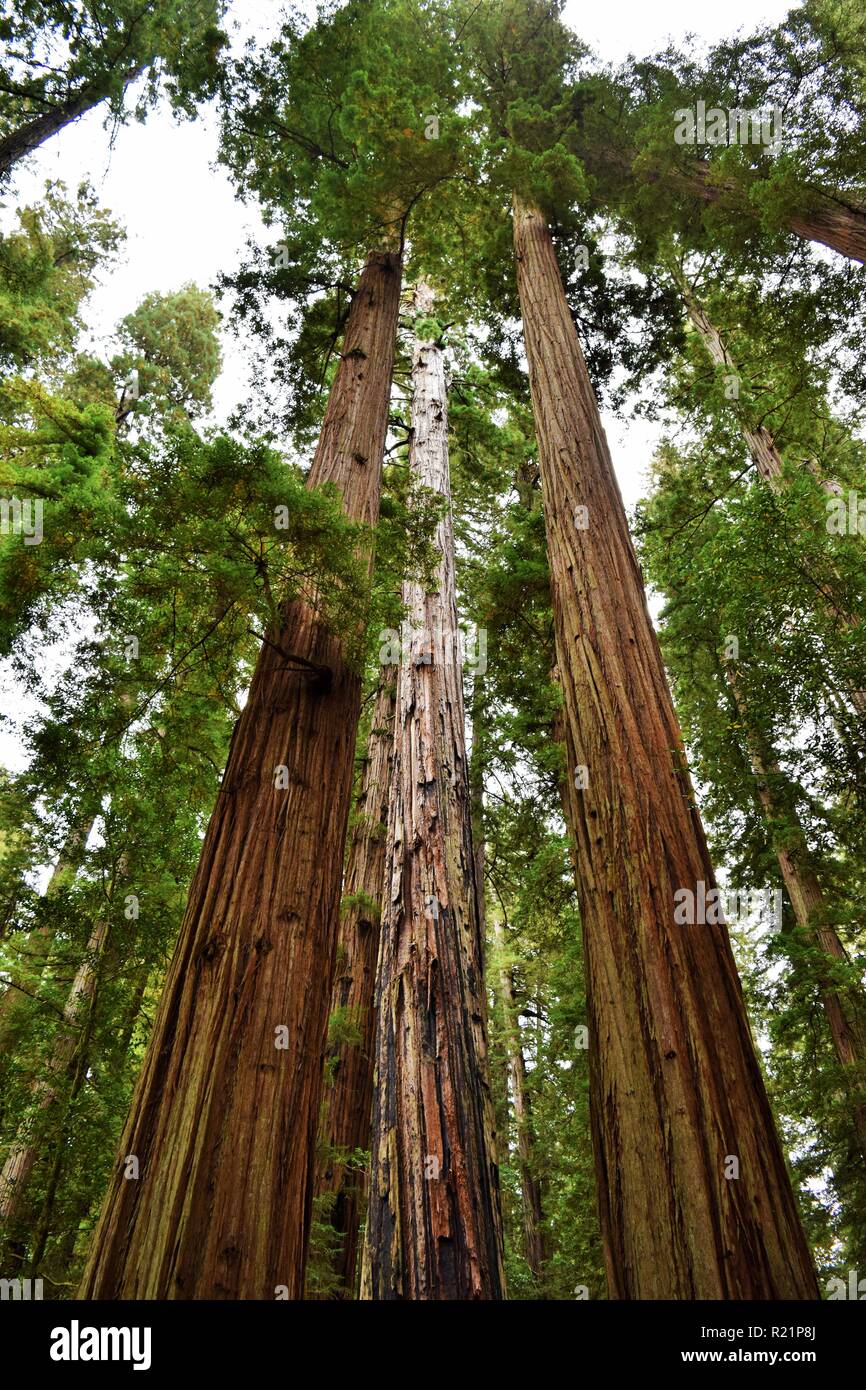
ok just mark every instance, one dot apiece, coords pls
pixel 84 1340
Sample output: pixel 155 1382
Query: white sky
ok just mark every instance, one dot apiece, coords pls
pixel 183 221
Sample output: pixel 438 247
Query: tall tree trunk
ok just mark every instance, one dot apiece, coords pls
pixel 434 1227
pixel 845 1019
pixel 62 1255
pixel 14 1001
pixel 348 1097
pixel 476 817
pixel 835 220
pixel 678 1100
pixel 761 444
pixel 28 137
pixel 534 1243
pixel 24 1150
pixel 224 1117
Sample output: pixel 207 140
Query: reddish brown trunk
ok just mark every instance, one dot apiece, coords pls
pixel 433 1223
pixel 837 222
pixel 348 1098
pixel 676 1089
pixel 223 1121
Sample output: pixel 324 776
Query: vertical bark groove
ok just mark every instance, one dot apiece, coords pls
pixel 346 1107
pixel 223 1121
pixel 433 1223
pixel 675 1083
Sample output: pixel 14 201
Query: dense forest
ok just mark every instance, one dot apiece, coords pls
pixel 424 878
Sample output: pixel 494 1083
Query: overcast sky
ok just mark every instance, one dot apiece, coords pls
pixel 183 221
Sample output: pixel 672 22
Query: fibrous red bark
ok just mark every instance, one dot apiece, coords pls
pixel 346 1105
pixel 224 1118
pixel 433 1222
pixel 677 1096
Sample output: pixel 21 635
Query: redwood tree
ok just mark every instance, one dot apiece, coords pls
pixel 346 1106
pixel 223 1121
pixel 229 1097
pixel 433 1222
pixel 676 1086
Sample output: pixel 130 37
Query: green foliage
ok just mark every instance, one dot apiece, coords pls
pixel 170 549
pixel 171 342
pixel 344 1028
pixel 63 58
pixel 47 268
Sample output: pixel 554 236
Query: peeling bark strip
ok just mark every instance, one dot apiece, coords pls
pixel 434 1222
pixel 675 1083
pixel 346 1106
pixel 223 1121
